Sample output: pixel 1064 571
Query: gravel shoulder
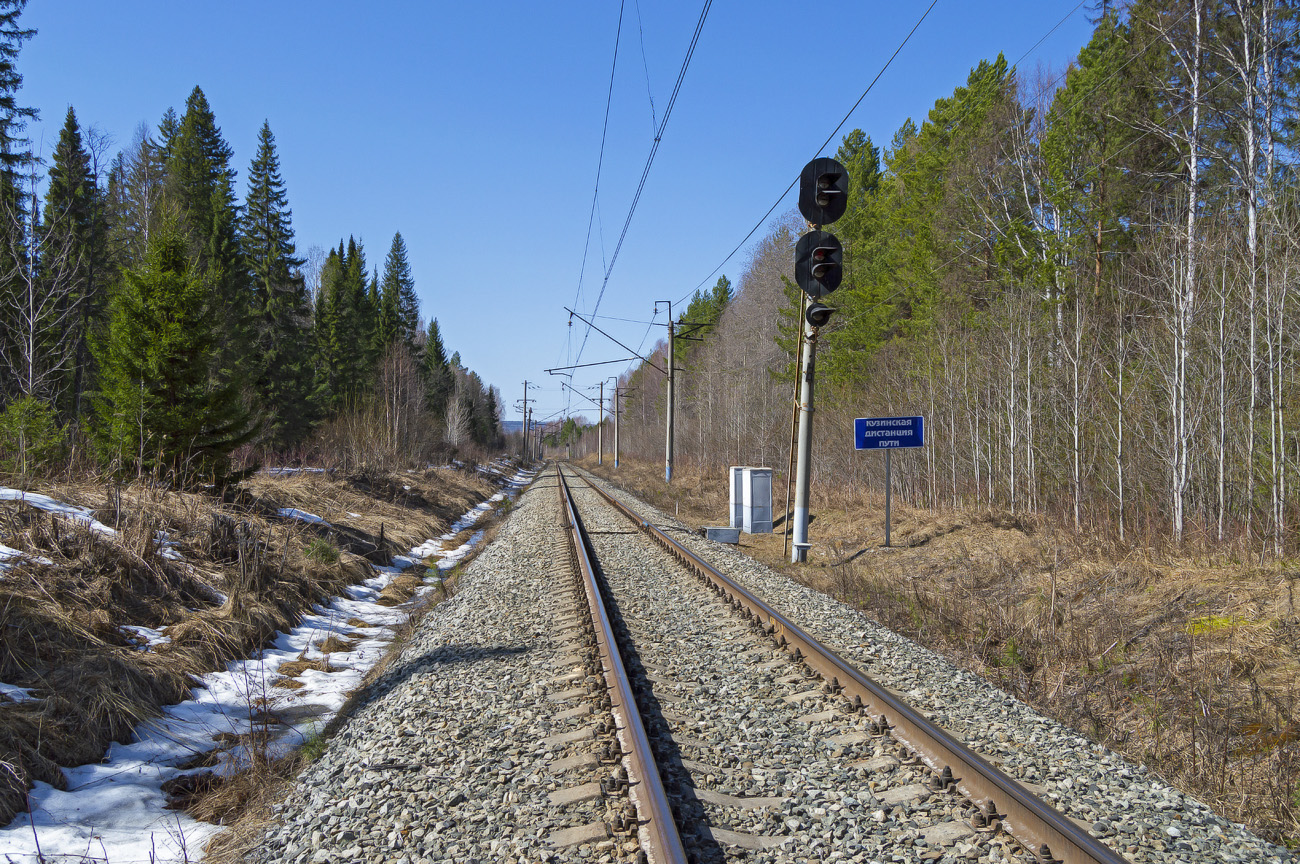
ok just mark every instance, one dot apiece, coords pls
pixel 453 754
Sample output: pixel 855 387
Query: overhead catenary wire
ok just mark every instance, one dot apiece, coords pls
pixel 1074 10
pixel 645 173
pixel 600 160
pixel 654 120
pixel 840 324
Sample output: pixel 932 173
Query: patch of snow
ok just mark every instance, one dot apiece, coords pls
pixel 302 516
pixel 9 557
pixel 285 472
pixel 50 505
pixel 355 515
pixel 17 694
pixel 145 637
pixel 167 547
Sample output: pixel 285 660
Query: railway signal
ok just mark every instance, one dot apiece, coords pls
pixel 818 263
pixel 818 268
pixel 823 191
pixel 818 314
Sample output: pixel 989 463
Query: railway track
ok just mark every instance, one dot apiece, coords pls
pixel 874 735
pixel 505 730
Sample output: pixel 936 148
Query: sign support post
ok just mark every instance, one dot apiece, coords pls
pixel 888 434
pixel 889 488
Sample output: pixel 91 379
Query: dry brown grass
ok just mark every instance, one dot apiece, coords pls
pixel 333 643
pixel 294 668
pixel 400 590
pixel 62 622
pixel 1188 663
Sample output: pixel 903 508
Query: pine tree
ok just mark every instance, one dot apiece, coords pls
pixel 74 225
pixel 283 379
pixel 158 408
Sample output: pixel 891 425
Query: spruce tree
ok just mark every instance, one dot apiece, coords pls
pixel 168 128
pixel 335 331
pixel 13 117
pixel 346 334
pixel 399 307
pixel 158 409
pixel 133 200
pixel 73 227
pixel 439 382
pixel 13 157
pixel 200 183
pixel 281 309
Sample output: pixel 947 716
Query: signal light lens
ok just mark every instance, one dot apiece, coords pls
pixel 818 314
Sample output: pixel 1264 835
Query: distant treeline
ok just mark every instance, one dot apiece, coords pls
pixel 149 314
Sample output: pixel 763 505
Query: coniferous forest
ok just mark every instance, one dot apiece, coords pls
pixel 152 321
pixel 1084 279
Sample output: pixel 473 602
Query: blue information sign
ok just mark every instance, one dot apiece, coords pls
pixel 888 433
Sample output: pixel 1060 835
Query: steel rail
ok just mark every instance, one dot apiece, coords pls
pixel 1042 829
pixel 658 831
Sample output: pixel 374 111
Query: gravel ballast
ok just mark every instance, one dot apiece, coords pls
pixel 1126 805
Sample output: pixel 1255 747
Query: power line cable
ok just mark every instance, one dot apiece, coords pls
pixel 778 201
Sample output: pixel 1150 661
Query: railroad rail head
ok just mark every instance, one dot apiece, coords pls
pixel 1042 829
pixel 660 840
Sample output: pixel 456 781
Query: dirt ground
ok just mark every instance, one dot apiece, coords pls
pixel 1189 664
pixel 244 571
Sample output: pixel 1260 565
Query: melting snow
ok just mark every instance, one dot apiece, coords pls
pixel 17 694
pixel 9 557
pixel 145 637
pixel 115 808
pixel 302 516
pixel 285 472
pixel 44 502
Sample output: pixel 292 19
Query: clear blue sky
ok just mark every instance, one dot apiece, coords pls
pixel 474 129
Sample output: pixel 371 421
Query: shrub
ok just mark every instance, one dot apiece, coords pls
pixel 30 437
pixel 322 551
